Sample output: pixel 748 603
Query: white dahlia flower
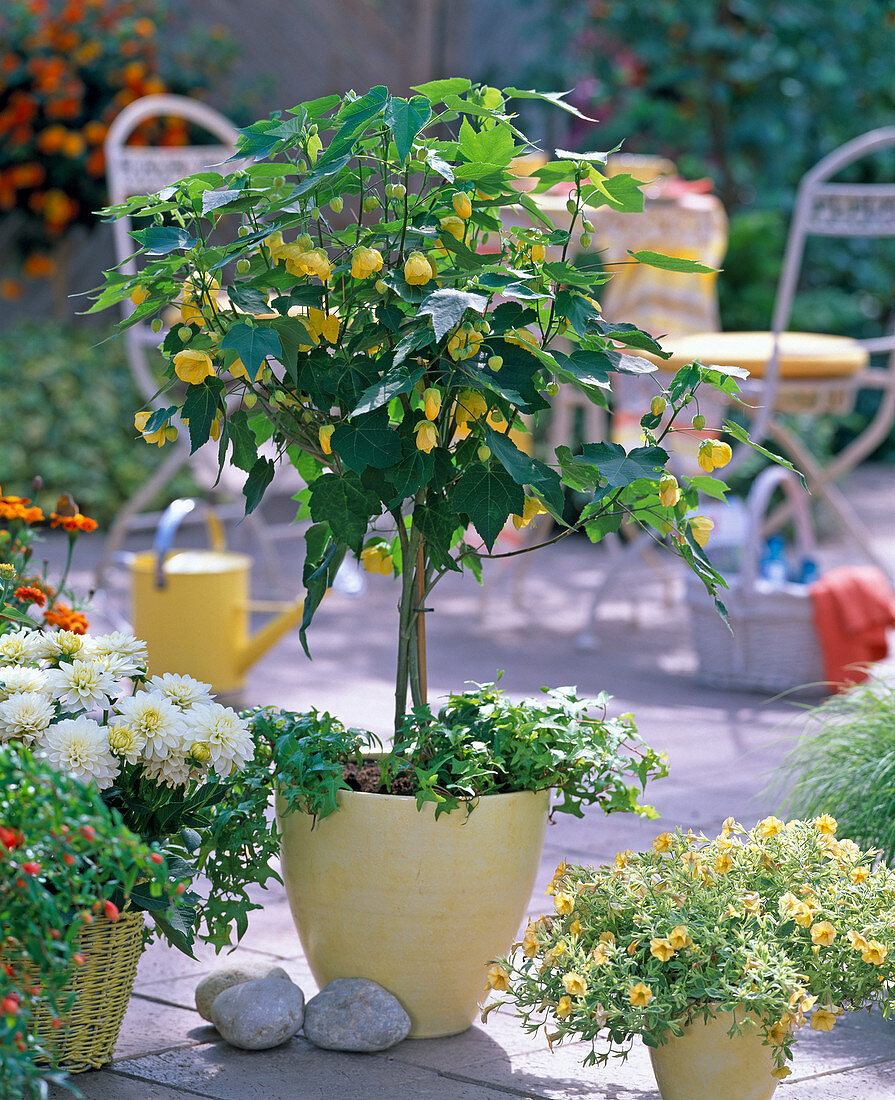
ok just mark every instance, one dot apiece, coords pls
pixel 124 653
pixel 19 647
pixel 157 721
pixel 183 691
pixel 16 678
pixel 24 716
pixel 80 746
pixel 224 732
pixel 81 685
pixel 60 643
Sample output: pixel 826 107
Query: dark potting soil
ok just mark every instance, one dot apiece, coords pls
pixel 368 778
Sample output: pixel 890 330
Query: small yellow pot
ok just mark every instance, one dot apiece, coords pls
pixel 706 1063
pixel 382 890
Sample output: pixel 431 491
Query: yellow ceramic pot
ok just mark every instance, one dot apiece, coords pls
pixel 706 1063
pixel 382 890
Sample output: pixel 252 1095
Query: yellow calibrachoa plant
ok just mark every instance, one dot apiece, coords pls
pixel 786 932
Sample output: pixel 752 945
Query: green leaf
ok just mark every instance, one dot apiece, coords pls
pixel 437 523
pixel 619 469
pixel 159 240
pixel 447 306
pixel 366 441
pixel 590 368
pixel 245 449
pixel 440 165
pixel 393 383
pixel 436 90
pixel 411 474
pixel 344 504
pixel 494 146
pixel 405 119
pixel 577 476
pixel 740 433
pixel 200 407
pixel 252 343
pixel 591 158
pixel 555 98
pixel 576 276
pixel 670 263
pixel 622 193
pixel 710 486
pixel 323 556
pixel 525 470
pixel 212 200
pixel 488 495
pixel 260 476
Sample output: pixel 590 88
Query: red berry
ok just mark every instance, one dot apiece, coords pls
pixel 55 934
pixel 88 832
pixel 181 887
pixel 9 1005
pixel 79 958
pixel 111 911
pixel 157 858
pixel 69 860
pixel 56 1022
pixel 86 917
pixel 31 868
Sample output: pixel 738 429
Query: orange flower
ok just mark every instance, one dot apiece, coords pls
pixel 77 522
pixel 62 616
pixel 39 266
pixel 10 289
pixel 27 593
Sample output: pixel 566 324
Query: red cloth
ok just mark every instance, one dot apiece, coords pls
pixel 853 608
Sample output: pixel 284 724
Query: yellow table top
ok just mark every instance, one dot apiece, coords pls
pixel 802 354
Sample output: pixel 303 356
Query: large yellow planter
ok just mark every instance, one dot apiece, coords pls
pixel 383 891
pixel 706 1063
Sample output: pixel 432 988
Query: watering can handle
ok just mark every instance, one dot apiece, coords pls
pixel 172 517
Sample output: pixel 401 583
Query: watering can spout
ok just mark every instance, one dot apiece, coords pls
pixel 262 640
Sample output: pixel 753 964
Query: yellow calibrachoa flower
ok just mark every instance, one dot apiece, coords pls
pixel 576 928
pixel 723 863
pixel 453 225
pixel 823 933
pixel 365 262
pixel 565 903
pixel 679 937
pixel 822 1020
pixel 417 271
pixel 431 402
pixel 729 826
pixel 324 435
pixel 498 978
pixel 857 940
pixel 574 984
pixel 787 904
pixel 770 826
pixel 860 874
pixel 701 528
pixel 461 204
pixel 531 508
pixel 564 1008
pixel 557 875
pixel 660 949
pixel 601 955
pixel 663 842
pixel 781 1072
pixel 193 367
pixel 530 945
pixel 669 491
pixel 752 902
pixel 426 436
pixel 640 995
pixel 826 824
pixel 875 953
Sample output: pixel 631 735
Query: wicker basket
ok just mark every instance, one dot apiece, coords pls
pixel 102 988
pixel 774 644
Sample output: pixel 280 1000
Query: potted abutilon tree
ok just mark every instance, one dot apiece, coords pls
pixel 376 317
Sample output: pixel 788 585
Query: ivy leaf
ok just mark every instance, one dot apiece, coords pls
pixel 447 306
pixel 159 240
pixel 670 263
pixel 252 343
pixel 619 469
pixel 525 470
pixel 405 118
pixel 245 449
pixel 200 407
pixel 488 495
pixel 393 383
pixel 345 505
pixel 260 476
pixel 366 441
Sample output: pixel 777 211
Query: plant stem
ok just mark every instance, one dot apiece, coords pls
pixel 420 591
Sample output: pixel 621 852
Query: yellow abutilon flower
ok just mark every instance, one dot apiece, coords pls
pixel 417 270
pixel 371 558
pixel 426 436
pixel 453 225
pixel 159 437
pixel 470 406
pixel 431 402
pixel 193 367
pixel 721 454
pixel 531 508
pixel 323 324
pixel 461 204
pixel 365 262
pixel 669 491
pixel 701 528
pixel 324 435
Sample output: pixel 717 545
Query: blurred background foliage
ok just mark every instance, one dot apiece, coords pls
pixel 68 414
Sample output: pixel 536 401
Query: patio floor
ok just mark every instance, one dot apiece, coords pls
pixel 722 750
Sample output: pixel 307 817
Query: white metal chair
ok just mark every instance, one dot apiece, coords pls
pixel 141 170
pixel 811 373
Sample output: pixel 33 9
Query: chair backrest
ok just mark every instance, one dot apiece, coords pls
pixel 836 210
pixel 143 170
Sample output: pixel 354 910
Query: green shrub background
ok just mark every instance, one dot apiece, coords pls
pixel 67 415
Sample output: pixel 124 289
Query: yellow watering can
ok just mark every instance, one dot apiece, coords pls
pixel 192 607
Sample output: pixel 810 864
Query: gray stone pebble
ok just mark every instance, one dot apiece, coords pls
pixel 260 1014
pixel 355 1014
pixel 232 974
